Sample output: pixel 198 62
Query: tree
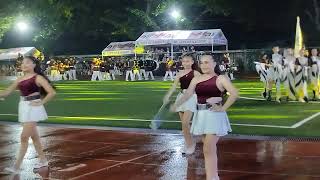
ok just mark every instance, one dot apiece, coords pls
pixel 73 25
pixel 152 15
pixel 48 18
pixel 7 16
pixel 314 14
pixel 6 23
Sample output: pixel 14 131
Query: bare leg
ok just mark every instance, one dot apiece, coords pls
pixel 37 144
pixel 25 135
pixel 210 156
pixel 185 123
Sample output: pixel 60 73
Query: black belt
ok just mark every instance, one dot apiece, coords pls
pixel 203 106
pixel 30 98
pixel 206 106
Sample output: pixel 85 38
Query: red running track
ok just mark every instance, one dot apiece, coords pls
pixel 75 153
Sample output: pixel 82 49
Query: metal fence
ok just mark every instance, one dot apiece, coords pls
pixel 243 59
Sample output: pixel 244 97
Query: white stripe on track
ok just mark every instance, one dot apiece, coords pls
pixel 148 120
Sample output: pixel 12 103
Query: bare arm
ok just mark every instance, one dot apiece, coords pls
pixel 42 82
pixel 10 89
pixel 171 90
pixel 234 94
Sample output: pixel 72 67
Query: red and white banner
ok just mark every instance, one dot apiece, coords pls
pixel 191 37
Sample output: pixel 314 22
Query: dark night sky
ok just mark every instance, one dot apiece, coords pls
pixel 259 25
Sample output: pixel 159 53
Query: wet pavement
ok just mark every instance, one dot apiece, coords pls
pixel 75 153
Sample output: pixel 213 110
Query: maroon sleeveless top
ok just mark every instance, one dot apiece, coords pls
pixel 207 89
pixel 186 80
pixel 28 86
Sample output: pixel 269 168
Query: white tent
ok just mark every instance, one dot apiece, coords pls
pixel 12 53
pixel 209 37
pixel 119 49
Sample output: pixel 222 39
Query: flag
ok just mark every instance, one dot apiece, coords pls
pixel 298 40
pixel 156 121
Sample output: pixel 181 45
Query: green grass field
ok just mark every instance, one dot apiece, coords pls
pixel 132 104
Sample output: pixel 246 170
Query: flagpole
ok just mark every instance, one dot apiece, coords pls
pixel 298 39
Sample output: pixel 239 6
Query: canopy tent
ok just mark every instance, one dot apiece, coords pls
pixel 119 49
pixel 12 53
pixel 209 37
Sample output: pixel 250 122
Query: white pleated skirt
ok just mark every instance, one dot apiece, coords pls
pixel 209 122
pixel 189 105
pixel 28 113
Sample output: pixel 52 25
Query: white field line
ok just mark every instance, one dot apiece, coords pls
pixel 261 99
pixel 148 120
pixel 300 123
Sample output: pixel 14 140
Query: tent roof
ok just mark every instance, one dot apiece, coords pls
pixel 12 53
pixel 119 48
pixel 115 46
pixel 184 37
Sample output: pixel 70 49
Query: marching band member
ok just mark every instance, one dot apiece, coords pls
pixel 18 68
pixel 274 74
pixel 142 67
pixel 136 71
pixel 18 65
pixel 318 62
pixel 58 69
pixel 54 70
pixel 262 68
pixel 112 70
pixel 118 65
pixel 289 74
pixel 301 71
pixel 128 68
pixel 104 70
pixel 314 73
pixel 72 71
pixel 95 67
pixel 149 69
pixel 67 70
pixel 169 68
pixel 62 71
pixel 229 68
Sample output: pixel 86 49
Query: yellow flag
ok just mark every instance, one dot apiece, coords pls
pixel 139 49
pixel 298 40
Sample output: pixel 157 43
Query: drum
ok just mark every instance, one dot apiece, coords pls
pixel 152 65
